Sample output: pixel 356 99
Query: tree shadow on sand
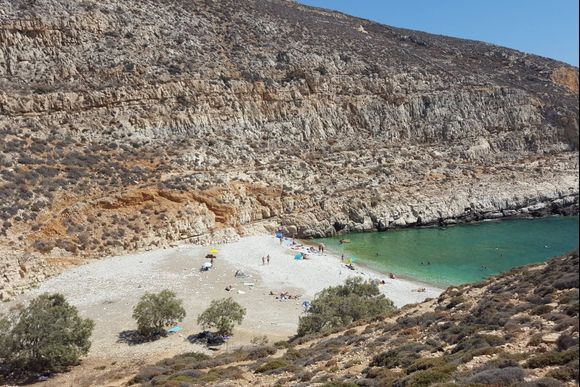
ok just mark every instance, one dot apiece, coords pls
pixel 207 338
pixel 133 337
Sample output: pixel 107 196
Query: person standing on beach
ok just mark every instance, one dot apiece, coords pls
pixel 268 259
pixel 263 260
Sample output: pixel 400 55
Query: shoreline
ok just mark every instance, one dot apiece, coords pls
pixel 106 291
pixel 372 271
pixel 329 270
pixel 333 248
pixel 544 206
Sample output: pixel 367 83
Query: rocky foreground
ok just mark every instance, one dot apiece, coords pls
pixel 131 125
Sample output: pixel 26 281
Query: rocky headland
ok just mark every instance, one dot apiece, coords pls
pixel 127 126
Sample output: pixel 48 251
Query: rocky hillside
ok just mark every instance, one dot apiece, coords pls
pixel 518 329
pixel 128 125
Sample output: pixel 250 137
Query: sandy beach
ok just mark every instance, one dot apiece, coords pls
pixel 107 290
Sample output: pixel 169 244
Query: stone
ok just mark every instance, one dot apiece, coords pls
pixel 550 338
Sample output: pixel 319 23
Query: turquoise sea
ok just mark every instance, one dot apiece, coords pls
pixel 463 253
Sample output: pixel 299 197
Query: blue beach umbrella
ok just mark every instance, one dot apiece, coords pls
pixel 298 256
pixel 279 235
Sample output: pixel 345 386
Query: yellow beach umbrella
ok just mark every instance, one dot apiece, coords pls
pixel 213 251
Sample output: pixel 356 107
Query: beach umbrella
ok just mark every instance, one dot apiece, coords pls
pixel 279 235
pixel 213 251
pixel 298 256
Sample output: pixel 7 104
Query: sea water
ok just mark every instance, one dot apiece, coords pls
pixel 460 254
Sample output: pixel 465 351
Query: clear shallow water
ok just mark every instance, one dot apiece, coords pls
pixel 460 254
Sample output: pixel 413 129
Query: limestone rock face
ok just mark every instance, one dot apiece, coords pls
pixel 135 125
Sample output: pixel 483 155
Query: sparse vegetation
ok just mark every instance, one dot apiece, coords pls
pixel 437 346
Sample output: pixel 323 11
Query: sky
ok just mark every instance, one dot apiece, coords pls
pixel 543 27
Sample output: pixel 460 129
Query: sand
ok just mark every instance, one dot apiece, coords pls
pixel 314 274
pixel 107 290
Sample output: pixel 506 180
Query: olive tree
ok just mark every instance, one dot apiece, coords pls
pixel 340 305
pixel 222 315
pixel 155 312
pixel 47 335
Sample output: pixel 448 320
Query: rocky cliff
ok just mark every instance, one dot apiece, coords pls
pixel 129 125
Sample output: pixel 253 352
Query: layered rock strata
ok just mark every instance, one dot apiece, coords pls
pixel 135 125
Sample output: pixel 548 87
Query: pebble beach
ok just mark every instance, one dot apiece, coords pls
pixel 107 290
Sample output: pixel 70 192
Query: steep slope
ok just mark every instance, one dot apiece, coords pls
pixel 520 328
pixel 129 125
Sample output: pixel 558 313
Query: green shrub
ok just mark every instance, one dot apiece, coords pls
pixel 148 373
pixel 217 374
pixel 155 312
pixel 479 342
pixel 282 344
pixel 340 384
pixel 564 374
pixel 185 360
pixel 540 310
pixel 498 376
pixel 402 356
pixel 383 376
pixel 293 354
pixel 553 358
pixel 47 335
pixel 260 352
pixel 182 378
pixel 222 314
pixel 431 376
pixel 535 340
pixel 272 365
pixel 424 364
pixel 340 305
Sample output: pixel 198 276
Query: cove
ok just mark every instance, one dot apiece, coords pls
pixel 460 254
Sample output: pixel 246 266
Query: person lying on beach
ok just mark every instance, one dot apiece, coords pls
pixel 229 287
pixel 350 266
pixel 285 296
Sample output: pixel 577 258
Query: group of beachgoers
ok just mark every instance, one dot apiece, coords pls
pixel 285 296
